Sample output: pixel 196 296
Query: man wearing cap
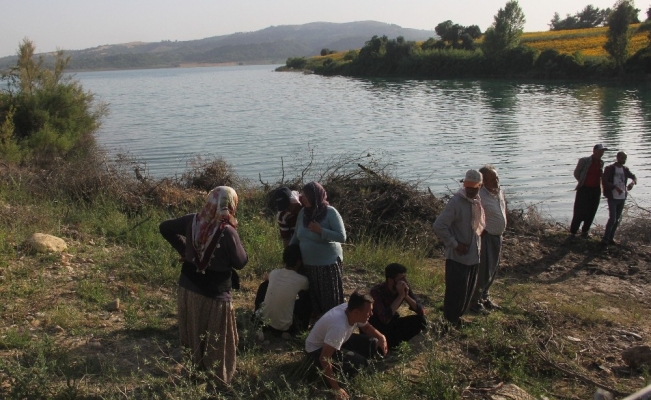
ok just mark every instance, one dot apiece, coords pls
pixel 615 190
pixel 459 227
pixel 288 205
pixel 588 173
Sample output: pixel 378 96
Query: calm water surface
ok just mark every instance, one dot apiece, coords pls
pixel 430 131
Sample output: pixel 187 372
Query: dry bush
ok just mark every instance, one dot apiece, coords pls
pixel 371 201
pixel 527 221
pixel 207 174
pixel 635 225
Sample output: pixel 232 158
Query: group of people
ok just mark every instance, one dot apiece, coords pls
pixel 592 181
pixel 308 292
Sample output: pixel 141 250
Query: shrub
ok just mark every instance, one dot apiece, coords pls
pixel 296 62
pixel 44 114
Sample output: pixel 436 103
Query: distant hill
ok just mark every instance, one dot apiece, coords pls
pixel 272 45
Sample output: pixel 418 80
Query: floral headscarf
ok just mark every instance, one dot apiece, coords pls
pixel 317 197
pixel 211 220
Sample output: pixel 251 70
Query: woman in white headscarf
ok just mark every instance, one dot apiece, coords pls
pixel 211 251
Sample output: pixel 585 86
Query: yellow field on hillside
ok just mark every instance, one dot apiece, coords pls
pixel 590 42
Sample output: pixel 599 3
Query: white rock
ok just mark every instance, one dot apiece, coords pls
pixel 44 243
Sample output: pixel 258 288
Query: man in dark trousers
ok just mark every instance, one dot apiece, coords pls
pixel 387 298
pixel 458 227
pixel 615 190
pixel 588 173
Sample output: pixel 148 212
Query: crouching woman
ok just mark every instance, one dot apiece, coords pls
pixel 211 251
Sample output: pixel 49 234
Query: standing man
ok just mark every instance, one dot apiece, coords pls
pixel 615 190
pixel 459 227
pixel 387 299
pixel 331 340
pixel 588 173
pixel 492 199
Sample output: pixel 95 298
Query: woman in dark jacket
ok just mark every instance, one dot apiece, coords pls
pixel 211 251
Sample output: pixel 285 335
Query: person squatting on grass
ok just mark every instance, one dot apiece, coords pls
pixel 388 296
pixel 459 227
pixel 333 332
pixel 492 200
pixel 211 251
pixel 588 190
pixel 615 190
pixel 320 232
pixel 276 302
pixel 288 205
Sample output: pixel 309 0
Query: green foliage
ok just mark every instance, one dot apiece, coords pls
pixel 589 17
pixel 351 55
pixel 326 51
pixel 296 62
pixel 44 114
pixel 618 32
pixel 456 36
pixel 505 32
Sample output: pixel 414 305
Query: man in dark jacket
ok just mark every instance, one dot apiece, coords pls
pixel 588 190
pixel 615 190
pixel 387 299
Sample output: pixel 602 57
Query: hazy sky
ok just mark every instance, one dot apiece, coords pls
pixel 79 24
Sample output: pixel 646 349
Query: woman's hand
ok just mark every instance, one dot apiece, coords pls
pixel 315 227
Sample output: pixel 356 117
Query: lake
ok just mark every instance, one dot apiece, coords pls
pixel 428 131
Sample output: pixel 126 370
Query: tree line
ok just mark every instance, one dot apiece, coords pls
pixel 498 52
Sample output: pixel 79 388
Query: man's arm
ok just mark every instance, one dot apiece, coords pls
pixel 577 170
pixel 370 330
pixel 325 360
pixel 442 226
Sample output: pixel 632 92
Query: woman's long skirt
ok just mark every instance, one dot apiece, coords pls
pixel 208 328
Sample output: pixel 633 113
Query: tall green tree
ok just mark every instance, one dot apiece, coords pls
pixel 506 30
pixel 44 113
pixel 619 35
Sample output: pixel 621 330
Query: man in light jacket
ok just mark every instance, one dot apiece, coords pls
pixel 459 227
pixel 492 199
pixel 588 190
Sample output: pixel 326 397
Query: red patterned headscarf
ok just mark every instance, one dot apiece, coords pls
pixel 210 221
pixel 317 197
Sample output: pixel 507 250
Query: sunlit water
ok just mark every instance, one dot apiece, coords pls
pixel 430 131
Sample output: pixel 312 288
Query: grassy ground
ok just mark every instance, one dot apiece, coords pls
pixel 568 311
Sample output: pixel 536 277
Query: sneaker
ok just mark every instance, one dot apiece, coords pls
pixel 478 309
pixel 490 304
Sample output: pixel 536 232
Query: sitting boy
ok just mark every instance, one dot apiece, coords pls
pixel 276 302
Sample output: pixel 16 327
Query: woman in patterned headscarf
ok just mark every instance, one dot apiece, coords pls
pixel 320 232
pixel 211 250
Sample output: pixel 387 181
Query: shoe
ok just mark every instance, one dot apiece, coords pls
pixel 603 245
pixel 490 304
pixel 585 235
pixel 612 242
pixel 478 309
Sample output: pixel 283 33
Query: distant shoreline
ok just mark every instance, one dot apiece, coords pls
pixel 182 65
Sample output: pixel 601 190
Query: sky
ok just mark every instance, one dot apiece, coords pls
pixel 81 24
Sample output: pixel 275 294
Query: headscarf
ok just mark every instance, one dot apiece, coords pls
pixel 478 216
pixel 209 223
pixel 318 209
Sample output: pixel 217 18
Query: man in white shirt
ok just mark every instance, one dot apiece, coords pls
pixel 281 311
pixel 492 199
pixel 334 332
pixel 614 181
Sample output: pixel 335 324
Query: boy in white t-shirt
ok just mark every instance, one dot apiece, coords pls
pixel 333 332
pixel 282 302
